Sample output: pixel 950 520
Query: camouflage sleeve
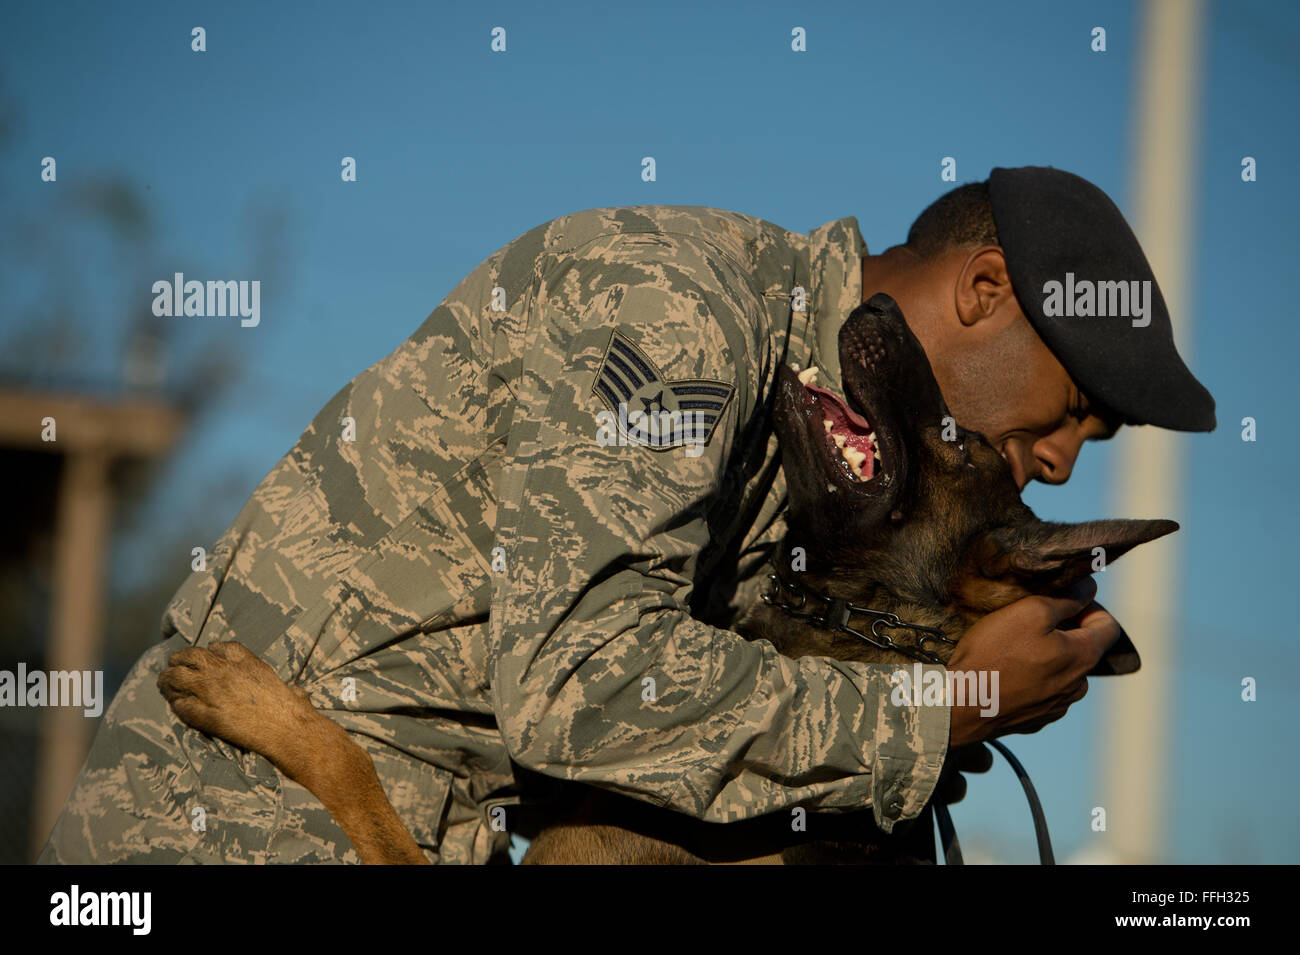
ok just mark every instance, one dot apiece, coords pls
pixel 600 673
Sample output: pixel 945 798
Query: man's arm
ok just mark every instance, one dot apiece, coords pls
pixel 600 673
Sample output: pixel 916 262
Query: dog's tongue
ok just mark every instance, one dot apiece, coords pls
pixel 847 423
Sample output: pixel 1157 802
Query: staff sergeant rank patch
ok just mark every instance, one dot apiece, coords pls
pixel 646 409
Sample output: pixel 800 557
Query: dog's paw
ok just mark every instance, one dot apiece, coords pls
pixel 225 690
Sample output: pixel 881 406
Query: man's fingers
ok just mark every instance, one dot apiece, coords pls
pixel 1069 604
pixel 1097 630
pixel 1050 710
pixel 951 789
pixel 973 758
pixel 1094 613
pixel 1079 692
pixel 1038 722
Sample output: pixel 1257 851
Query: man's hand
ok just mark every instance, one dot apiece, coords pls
pixel 1041 665
pixel 975 758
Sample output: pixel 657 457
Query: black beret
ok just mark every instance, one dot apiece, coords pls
pixel 1082 280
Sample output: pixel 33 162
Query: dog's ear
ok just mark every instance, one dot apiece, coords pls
pixel 1038 557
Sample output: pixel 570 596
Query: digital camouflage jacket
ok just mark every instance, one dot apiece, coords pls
pixel 473 559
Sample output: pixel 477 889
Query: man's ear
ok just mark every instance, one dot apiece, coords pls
pixel 983 286
pixel 1045 557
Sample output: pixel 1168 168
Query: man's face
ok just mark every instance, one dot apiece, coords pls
pixel 1023 401
pixel 997 376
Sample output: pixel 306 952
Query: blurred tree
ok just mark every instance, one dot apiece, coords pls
pixel 76 317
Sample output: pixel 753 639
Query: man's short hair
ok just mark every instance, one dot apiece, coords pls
pixel 961 217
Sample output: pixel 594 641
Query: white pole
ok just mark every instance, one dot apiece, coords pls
pixel 1143 594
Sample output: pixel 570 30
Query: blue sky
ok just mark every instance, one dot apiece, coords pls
pixel 460 150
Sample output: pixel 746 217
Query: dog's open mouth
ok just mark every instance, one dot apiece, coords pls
pixel 847 438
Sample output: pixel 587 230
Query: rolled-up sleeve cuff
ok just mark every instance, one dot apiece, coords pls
pixel 912 743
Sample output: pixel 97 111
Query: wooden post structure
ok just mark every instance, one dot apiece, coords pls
pixel 89 434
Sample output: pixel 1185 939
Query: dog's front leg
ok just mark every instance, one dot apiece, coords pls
pixel 226 691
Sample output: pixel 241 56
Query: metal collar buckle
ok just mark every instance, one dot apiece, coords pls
pixel 837 612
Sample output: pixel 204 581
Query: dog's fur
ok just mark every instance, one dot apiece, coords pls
pixel 938 536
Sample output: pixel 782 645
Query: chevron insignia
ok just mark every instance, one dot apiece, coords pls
pixel 649 409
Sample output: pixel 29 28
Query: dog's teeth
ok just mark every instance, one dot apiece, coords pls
pixel 856 459
pixel 827 422
pixel 839 441
pixel 807 375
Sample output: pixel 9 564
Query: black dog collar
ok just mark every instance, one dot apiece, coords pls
pixel 835 613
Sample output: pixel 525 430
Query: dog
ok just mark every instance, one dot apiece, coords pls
pixel 899 522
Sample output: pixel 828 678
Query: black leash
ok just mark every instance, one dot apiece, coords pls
pixel 948 836
pixel 1045 856
pixel 834 614
pixel 948 833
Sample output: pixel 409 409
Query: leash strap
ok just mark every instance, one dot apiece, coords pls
pixel 1045 856
pixel 948 833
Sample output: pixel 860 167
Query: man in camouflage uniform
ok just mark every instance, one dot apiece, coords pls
pixel 462 574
